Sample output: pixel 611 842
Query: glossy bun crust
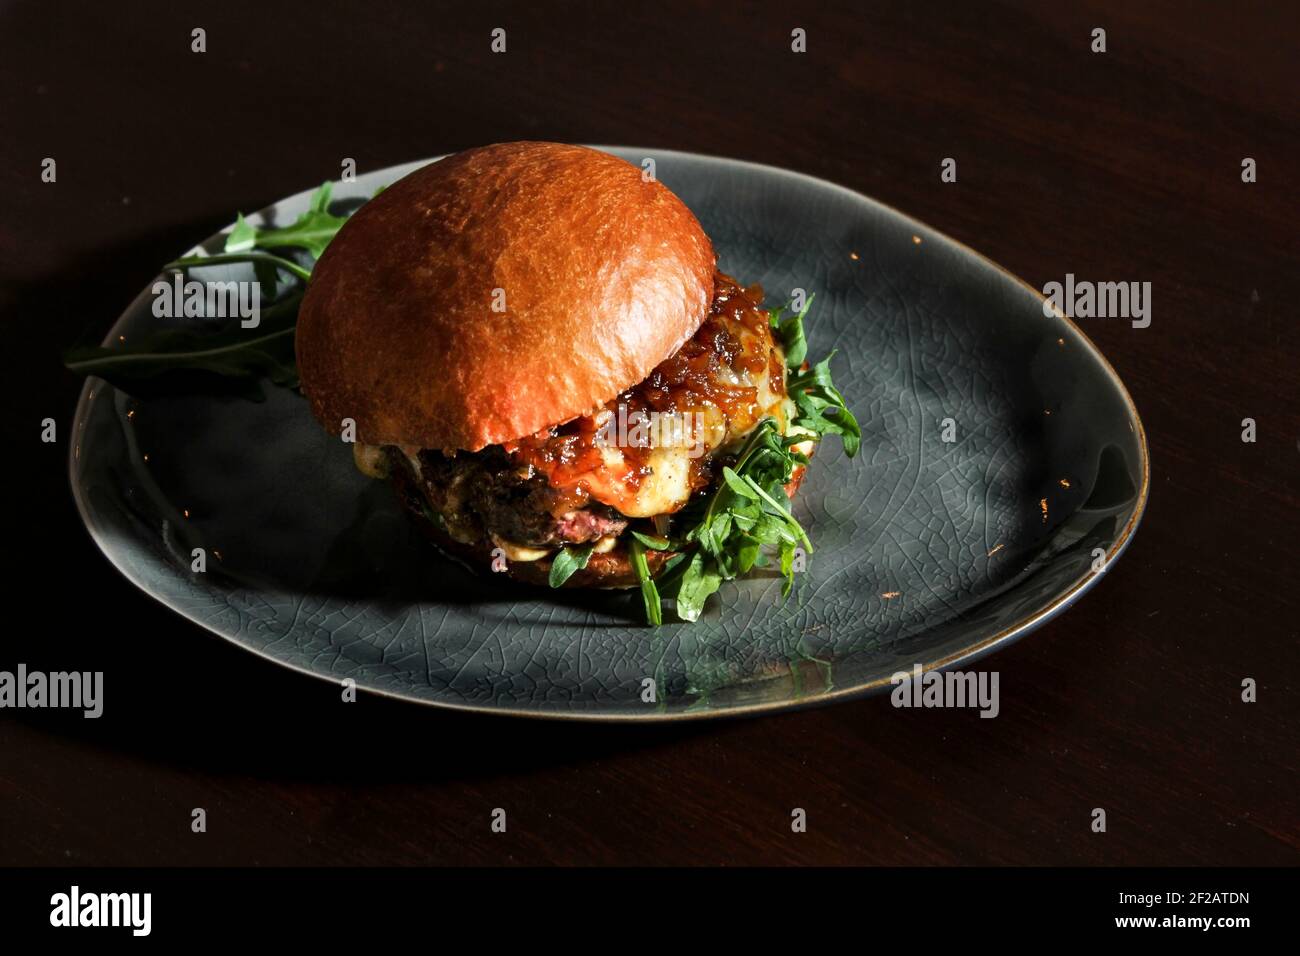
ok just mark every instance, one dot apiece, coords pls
pixel 602 275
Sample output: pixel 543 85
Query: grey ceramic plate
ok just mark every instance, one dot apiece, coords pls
pixel 927 551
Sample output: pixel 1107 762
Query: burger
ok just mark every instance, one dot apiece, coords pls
pixel 533 342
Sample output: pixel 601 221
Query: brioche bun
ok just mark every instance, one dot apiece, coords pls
pixel 604 275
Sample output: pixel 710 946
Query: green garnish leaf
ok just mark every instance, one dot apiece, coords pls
pixel 320 199
pixel 649 593
pixel 822 408
pixel 181 359
pixel 312 231
pixel 748 512
pixel 255 258
pixel 169 360
pixel 652 542
pixel 737 484
pixel 242 237
pixel 750 549
pixel 789 332
pixel 700 579
pixel 787 568
pixel 570 559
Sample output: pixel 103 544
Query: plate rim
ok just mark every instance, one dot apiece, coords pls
pixel 966 654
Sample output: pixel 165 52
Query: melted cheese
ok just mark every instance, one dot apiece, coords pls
pixel 666 488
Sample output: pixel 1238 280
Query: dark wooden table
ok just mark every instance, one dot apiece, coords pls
pixel 1123 165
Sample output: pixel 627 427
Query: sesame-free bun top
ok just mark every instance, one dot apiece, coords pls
pixel 496 292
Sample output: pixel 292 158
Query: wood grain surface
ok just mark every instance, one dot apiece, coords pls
pixel 1115 166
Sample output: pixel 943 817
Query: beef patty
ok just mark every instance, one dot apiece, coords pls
pixel 484 494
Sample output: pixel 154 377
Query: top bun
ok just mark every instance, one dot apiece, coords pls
pixel 602 275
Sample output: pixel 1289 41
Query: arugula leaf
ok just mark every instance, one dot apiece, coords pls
pixel 569 561
pixel 670 574
pixel 745 513
pixel 787 568
pixel 749 550
pixel 652 542
pixel 312 231
pixel 170 359
pixel 700 579
pixel 242 237
pixel 649 593
pixel 236 358
pixel 319 200
pixel 738 484
pixel 789 331
pixel 725 533
pixel 256 258
pixel 781 510
pixel 822 408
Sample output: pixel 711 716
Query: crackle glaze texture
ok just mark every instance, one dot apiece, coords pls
pixel 928 550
